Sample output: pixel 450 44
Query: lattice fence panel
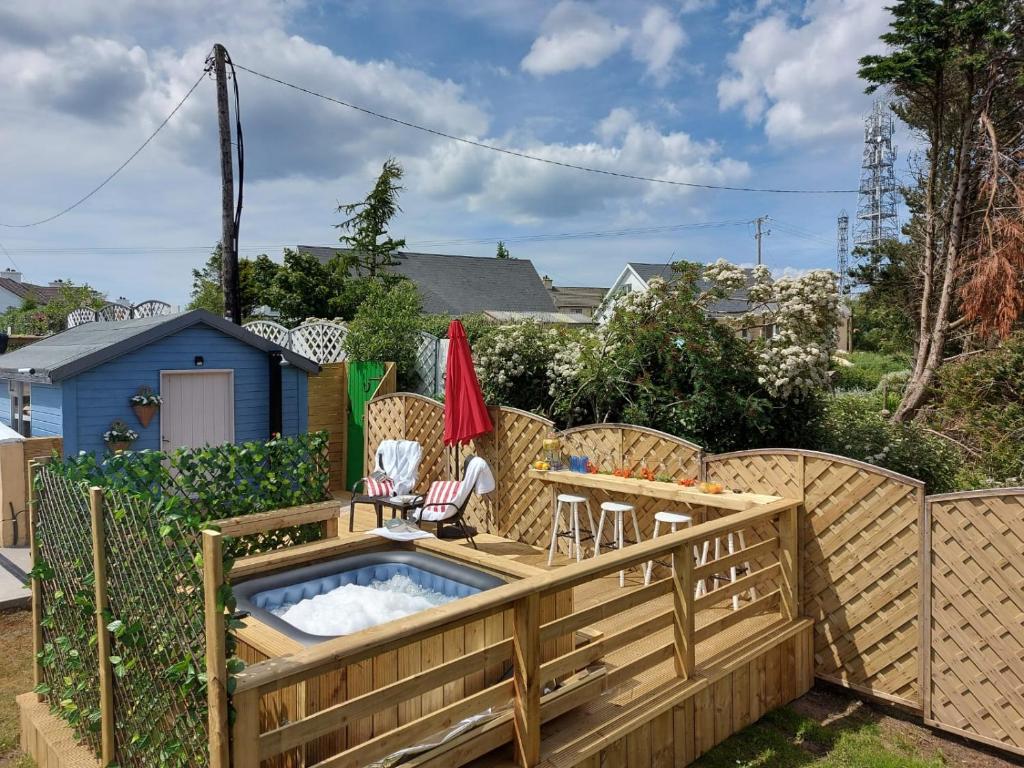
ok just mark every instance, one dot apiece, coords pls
pixel 977 616
pixel 659 452
pixel 319 340
pixel 385 420
pixel 776 473
pixel 602 444
pixel 424 423
pixel 523 504
pixel 861 574
pixel 151 308
pixel 430 363
pixel 70 664
pixel 114 312
pixel 155 591
pixel 269 330
pixel 81 316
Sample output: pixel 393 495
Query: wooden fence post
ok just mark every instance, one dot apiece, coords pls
pixel 246 732
pixel 99 565
pixel 526 676
pixel 216 651
pixel 682 591
pixel 789 540
pixel 37 587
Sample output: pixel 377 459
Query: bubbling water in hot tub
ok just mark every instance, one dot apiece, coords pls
pixel 352 607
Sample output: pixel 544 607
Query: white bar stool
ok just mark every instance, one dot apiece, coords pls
pixel 618 509
pixel 573 533
pixel 674 519
pixel 734 571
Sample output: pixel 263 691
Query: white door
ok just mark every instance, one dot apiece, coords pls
pixel 198 408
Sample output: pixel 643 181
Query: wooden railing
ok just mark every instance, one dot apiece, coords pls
pixel 518 704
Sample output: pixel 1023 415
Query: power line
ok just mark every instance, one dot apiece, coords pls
pixel 535 158
pixel 9 257
pixel 120 168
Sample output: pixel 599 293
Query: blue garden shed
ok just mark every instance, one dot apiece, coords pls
pixel 217 381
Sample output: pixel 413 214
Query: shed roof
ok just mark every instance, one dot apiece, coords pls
pixel 462 285
pixel 83 347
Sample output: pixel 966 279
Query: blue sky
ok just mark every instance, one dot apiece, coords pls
pixel 761 93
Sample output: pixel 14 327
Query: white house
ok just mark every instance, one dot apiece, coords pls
pixel 14 290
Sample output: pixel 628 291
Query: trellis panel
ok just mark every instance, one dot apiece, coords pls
pixel 861 568
pixel 779 473
pixel 523 505
pixel 975 633
pixel 385 420
pixel 424 423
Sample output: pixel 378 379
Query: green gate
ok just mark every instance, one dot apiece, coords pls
pixel 363 379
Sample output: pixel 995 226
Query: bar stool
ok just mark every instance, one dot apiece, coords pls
pixel 573 533
pixel 670 518
pixel 734 570
pixel 618 510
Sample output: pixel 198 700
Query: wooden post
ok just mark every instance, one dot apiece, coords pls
pixel 229 235
pixel 526 676
pixel 789 537
pixel 245 752
pixel 37 587
pixel 99 565
pixel 216 658
pixel 682 592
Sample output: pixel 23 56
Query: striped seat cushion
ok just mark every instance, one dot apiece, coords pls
pixel 381 487
pixel 440 493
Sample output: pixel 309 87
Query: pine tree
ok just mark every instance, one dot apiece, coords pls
pixel 367 223
pixel 502 251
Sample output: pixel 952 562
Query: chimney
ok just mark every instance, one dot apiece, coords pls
pixel 548 282
pixel 11 274
pixel 56 283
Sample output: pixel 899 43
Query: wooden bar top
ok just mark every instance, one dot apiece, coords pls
pixel 629 486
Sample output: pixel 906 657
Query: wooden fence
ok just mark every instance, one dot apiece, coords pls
pixel 15 458
pixel 861 562
pixel 327 404
pixel 973 633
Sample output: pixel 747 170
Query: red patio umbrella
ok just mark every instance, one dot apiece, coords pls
pixel 465 415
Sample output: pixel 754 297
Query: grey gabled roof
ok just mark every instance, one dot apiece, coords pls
pixel 85 346
pixel 463 285
pixel 736 304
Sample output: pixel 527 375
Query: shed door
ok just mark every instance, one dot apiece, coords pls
pixel 198 408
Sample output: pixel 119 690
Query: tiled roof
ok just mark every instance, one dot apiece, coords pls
pixel 42 293
pixel 462 285
pixel 736 304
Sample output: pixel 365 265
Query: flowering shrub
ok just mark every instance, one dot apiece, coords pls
pixel 794 361
pixel 513 362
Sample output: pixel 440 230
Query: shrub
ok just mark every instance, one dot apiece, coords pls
pixel 979 402
pixel 385 326
pixel 867 369
pixel 853 426
pixel 513 364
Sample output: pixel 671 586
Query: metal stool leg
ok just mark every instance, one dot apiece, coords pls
pixel 576 530
pixel 622 543
pixel 597 538
pixel 556 523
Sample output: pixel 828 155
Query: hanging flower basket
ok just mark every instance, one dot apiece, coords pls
pixel 120 436
pixel 145 403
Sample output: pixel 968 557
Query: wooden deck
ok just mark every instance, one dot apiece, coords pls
pixel 653 718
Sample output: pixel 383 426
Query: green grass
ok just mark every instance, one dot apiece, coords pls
pixel 786 739
pixel 867 369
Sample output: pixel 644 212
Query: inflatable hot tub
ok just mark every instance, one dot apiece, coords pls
pixel 354 592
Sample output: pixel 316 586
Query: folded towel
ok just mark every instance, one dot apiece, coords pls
pixel 384 533
pixel 400 460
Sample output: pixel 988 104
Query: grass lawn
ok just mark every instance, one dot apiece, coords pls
pixel 821 730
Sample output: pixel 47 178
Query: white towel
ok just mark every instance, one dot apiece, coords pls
pixel 401 461
pixel 384 533
pixel 479 477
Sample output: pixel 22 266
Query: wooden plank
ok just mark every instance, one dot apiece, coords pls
pixel 735 617
pixel 216 649
pixel 245 733
pixel 789 597
pixel 737 587
pixel 684 611
pixel 668 491
pixel 108 746
pixel 526 675
pixel 603 610
pixel 346 713
pixel 262 522
pixel 737 558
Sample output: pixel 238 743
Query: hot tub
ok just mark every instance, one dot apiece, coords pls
pixel 294 602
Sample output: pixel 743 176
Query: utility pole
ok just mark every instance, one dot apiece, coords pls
pixel 228 239
pixel 759 234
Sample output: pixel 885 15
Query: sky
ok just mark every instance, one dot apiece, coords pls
pixel 756 93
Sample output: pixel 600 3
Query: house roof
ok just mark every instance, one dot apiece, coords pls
pixel 42 293
pixel 76 350
pixel 735 304
pixel 549 318
pixel 463 285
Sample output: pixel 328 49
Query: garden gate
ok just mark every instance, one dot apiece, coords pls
pixel 974 638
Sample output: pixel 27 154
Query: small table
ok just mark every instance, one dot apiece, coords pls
pixel 402 505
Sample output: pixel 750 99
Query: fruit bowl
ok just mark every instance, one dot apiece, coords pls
pixel 710 487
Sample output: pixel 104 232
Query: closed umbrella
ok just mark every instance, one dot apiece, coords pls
pixel 465 414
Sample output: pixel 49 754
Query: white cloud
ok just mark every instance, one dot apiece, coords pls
pixel 656 41
pixel 800 78
pixel 573 36
pixel 693 6
pixel 504 185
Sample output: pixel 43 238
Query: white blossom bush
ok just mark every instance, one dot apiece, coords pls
pixel 512 364
pixel 804 312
